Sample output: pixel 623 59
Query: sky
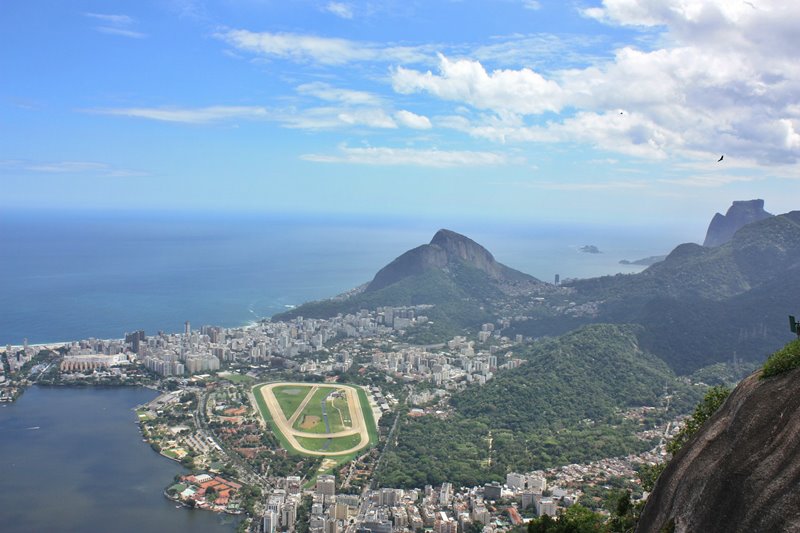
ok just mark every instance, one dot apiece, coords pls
pixel 589 111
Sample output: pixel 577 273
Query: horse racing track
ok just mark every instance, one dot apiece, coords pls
pixel 317 419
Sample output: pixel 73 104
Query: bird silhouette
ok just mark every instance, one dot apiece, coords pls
pixel 720 158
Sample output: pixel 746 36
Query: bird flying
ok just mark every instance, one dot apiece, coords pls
pixel 720 158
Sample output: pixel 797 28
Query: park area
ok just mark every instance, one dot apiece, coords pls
pixel 317 419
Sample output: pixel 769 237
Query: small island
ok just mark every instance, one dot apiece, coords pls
pixel 590 249
pixel 647 261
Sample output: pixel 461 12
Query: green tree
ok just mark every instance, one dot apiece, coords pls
pixel 576 519
pixel 712 401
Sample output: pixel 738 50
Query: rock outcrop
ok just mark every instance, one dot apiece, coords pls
pixel 741 471
pixel 739 214
pixel 446 248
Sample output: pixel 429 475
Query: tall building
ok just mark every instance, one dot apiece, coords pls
pixel 326 486
pixel 516 481
pixel 445 493
pixel 546 506
pixel 135 339
pixel 288 514
pixel 270 522
pixel 492 491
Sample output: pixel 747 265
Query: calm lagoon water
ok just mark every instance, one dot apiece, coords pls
pixel 73 460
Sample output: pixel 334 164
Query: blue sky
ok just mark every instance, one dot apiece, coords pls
pixel 585 110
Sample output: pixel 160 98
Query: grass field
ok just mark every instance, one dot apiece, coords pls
pixel 290 397
pixel 372 427
pixel 313 411
pixel 237 378
pixel 339 414
pixel 337 445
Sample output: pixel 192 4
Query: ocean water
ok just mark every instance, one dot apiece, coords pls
pixel 66 276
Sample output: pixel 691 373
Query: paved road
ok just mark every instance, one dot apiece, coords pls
pixel 358 423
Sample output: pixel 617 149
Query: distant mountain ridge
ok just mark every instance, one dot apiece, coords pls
pixel 741 213
pixel 703 305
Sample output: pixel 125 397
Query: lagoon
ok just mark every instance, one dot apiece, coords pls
pixel 73 460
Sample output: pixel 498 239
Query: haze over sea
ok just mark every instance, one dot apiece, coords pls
pixel 66 277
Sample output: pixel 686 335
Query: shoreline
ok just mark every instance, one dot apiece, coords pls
pixel 59 344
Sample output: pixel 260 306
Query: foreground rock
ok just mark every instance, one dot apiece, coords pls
pixel 741 471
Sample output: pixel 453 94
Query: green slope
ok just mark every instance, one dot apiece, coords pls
pixel 584 374
pixel 562 406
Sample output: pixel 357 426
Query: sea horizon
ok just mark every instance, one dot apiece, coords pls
pixel 70 276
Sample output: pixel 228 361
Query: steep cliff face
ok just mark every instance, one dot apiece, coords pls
pixel 741 471
pixel 739 214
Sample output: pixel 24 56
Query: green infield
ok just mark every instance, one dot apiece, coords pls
pixel 337 444
pixel 290 397
pixel 310 418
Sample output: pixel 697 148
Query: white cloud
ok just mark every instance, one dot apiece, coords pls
pixel 74 168
pixel 412 120
pixel 323 50
pixel 531 4
pixel 340 9
pixel 723 78
pixel 116 25
pixel 373 118
pixel 116 20
pixel 409 157
pixel 121 31
pixel 463 80
pixel 325 91
pixel 197 115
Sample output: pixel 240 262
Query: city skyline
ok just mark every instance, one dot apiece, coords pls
pixel 613 111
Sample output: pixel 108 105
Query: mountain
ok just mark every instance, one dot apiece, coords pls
pixel 446 249
pixel 740 471
pixel 740 214
pixel 587 373
pixel 456 275
pixel 701 305
pixel 562 406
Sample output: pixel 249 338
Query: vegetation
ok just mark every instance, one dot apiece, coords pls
pixel 587 374
pixel 431 450
pixel 337 444
pixel 290 397
pixel 578 519
pixel 563 406
pixel 783 360
pixel 712 401
pixel 311 419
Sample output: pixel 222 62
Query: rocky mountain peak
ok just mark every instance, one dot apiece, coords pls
pixel 739 214
pixel 446 249
pixel 459 246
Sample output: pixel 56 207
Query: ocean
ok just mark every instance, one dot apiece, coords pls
pixel 68 276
